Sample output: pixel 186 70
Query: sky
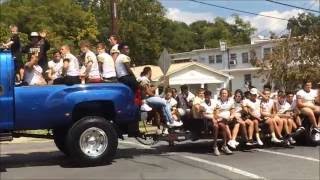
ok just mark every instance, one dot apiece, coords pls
pixel 188 12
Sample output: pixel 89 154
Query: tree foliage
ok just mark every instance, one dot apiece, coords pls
pixel 65 21
pixel 297 57
pixel 142 25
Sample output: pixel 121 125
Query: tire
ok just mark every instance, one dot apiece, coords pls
pixel 96 131
pixel 59 137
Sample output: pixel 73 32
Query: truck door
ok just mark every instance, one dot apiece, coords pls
pixel 6 91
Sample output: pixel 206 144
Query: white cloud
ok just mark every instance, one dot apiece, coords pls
pixel 188 17
pixel 265 24
pixel 262 24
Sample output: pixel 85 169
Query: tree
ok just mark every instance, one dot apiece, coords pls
pixel 178 37
pixel 296 58
pixel 65 20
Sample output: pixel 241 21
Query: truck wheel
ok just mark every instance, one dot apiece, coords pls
pixel 92 140
pixel 59 137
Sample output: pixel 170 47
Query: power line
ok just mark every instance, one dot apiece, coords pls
pixel 252 13
pixel 289 5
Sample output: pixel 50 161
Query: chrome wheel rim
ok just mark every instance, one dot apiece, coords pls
pixel 93 142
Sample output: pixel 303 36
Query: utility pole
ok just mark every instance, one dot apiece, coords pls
pixel 114 17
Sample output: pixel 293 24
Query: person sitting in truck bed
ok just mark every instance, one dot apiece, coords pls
pixel 91 74
pixel 71 70
pixel 33 72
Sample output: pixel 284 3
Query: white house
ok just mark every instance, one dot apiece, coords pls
pixel 211 68
pixel 238 66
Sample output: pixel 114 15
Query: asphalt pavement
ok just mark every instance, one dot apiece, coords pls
pixel 189 160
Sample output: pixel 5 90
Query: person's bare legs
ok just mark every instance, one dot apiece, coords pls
pixel 310 114
pixel 250 128
pixel 215 132
pixel 279 123
pixel 235 131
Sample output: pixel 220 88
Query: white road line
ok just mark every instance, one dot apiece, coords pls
pixel 223 166
pixel 288 155
pixel 135 144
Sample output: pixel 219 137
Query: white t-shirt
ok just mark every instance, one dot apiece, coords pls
pixel 225 108
pixel 267 106
pixel 238 106
pixel 121 69
pixel 56 67
pixel 33 76
pixel 108 69
pixel 74 68
pixel 114 47
pixel 308 97
pixel 254 106
pixel 171 102
pixel 190 96
pixel 282 108
pixel 209 107
pixel 197 101
pixel 94 71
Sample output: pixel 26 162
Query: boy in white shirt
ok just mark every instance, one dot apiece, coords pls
pixel 106 63
pixel 306 98
pixel 55 67
pixel 71 69
pixel 33 72
pixel 209 106
pixel 91 73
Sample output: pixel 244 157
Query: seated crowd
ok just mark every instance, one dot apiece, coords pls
pixel 249 114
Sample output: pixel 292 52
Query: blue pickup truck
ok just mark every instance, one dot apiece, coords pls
pixel 86 120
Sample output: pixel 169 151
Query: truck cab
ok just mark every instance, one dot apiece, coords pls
pixel 86 119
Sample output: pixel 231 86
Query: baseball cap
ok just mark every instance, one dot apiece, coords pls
pixel 34 34
pixel 254 91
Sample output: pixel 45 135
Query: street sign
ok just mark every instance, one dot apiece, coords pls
pixel 164 61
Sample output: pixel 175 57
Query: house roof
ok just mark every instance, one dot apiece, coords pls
pixel 156 71
pixel 180 66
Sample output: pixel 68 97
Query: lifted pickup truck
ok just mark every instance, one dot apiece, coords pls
pixel 86 120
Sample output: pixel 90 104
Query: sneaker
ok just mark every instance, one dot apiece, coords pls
pixel 165 131
pixel 291 140
pixel 275 140
pixel 260 143
pixel 216 151
pixel 300 130
pixel 175 124
pixel 250 142
pixel 145 107
pixel 231 143
pixel 315 130
pixel 317 137
pixel 286 143
pixel 226 150
pixel 236 143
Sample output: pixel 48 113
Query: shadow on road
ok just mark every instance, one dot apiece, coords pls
pixel 56 158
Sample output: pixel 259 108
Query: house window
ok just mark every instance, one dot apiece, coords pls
pixel 218 59
pixel 266 53
pixel 247 78
pixel 245 58
pixel 211 59
pixel 233 56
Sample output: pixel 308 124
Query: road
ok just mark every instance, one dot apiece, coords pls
pixel 192 160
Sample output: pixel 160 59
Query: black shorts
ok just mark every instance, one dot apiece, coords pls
pixel 130 81
pixel 68 80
